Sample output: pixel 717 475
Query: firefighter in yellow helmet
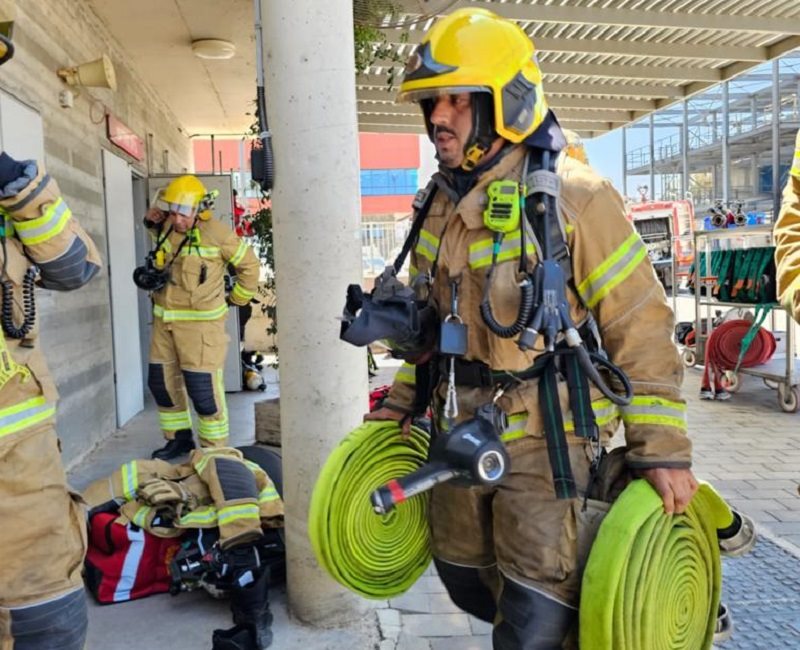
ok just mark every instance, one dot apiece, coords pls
pixel 512 554
pixel 787 240
pixel 186 277
pixel 42 529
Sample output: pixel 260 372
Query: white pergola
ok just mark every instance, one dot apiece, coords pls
pixel 606 63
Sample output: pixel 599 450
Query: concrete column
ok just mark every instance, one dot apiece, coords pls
pixel 726 151
pixel 776 139
pixel 685 184
pixel 311 106
pixel 754 111
pixel 624 161
pixel 651 131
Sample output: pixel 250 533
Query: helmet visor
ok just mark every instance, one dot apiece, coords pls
pixel 181 203
pixel 433 93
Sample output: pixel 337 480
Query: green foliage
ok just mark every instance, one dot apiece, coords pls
pixel 371 44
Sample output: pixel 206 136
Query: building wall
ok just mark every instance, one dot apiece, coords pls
pixel 76 327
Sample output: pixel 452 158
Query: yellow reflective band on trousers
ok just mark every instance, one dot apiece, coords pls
pixel 376 556
pixel 240 294
pixel 50 224
pixel 216 429
pixel 407 374
pixel 238 256
pixel 268 494
pixel 172 315
pixel 25 414
pixel 653 580
pixel 480 253
pixel 655 410
pixel 130 480
pixel 613 271
pixel 604 412
pixel 172 421
pixel 428 245
pixel 243 511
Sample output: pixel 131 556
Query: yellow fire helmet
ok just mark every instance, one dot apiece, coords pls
pixel 6 32
pixel 186 195
pixel 476 51
pixel 575 147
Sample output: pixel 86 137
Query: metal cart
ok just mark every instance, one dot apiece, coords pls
pixel 779 372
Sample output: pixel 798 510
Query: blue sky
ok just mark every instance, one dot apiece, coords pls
pixel 605 155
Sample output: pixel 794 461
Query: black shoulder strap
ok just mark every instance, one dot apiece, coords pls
pixel 421 204
pixel 544 187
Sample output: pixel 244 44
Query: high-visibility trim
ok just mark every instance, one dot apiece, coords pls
pixel 213 429
pixel 268 494
pixel 407 374
pixel 413 272
pixel 50 224
pixel 201 251
pixel 788 295
pixel 428 245
pixel 795 170
pixel 613 271
pixel 480 253
pixel 200 517
pixel 240 294
pixel 242 511
pixel 172 315
pixel 604 412
pixel 172 421
pixel 238 256
pixel 25 414
pixel 130 479
pixel 655 410
pixel 140 518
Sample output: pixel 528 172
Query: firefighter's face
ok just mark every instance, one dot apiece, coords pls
pixel 452 123
pixel 183 220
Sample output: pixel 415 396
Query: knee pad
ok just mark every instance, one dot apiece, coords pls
pixel 235 479
pixel 200 386
pixel 467 590
pixel 59 624
pixel 158 385
pixel 531 620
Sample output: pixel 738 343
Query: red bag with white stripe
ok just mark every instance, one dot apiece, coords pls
pixel 125 562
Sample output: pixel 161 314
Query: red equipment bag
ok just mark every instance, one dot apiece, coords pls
pixel 125 562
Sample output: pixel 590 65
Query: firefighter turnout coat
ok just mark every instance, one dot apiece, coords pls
pixel 787 240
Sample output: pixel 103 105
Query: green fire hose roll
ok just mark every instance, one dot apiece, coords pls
pixel 653 580
pixel 376 556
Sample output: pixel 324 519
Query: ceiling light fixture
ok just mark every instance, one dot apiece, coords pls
pixel 213 48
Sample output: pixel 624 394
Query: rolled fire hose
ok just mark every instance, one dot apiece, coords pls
pixel 724 346
pixel 375 556
pixel 653 580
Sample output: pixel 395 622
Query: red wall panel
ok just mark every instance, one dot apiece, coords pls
pixel 388 151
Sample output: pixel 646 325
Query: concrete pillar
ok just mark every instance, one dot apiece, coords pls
pixel 754 111
pixel 311 106
pixel 685 184
pixel 726 151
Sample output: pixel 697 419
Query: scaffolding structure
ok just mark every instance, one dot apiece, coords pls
pixel 734 142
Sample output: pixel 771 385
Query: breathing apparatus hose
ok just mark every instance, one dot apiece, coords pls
pixel 375 556
pixel 654 580
pixel 523 315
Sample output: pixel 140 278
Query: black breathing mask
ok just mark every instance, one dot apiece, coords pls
pixel 390 313
pixel 148 277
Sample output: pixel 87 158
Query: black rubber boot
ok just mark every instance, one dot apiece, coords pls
pixel 180 445
pixel 252 618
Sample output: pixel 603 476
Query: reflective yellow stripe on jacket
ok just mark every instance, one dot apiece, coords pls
pixel 428 245
pixel 201 251
pixel 172 315
pixel 239 294
pixel 407 373
pixel 50 224
pixel 238 256
pixel 613 271
pixel 130 480
pixel 645 409
pixel 25 414
pixel 604 412
pixel 480 253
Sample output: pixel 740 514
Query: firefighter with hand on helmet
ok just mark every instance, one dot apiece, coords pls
pixel 43 532
pixel 191 254
pixel 512 554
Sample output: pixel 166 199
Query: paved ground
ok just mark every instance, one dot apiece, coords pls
pixel 747 448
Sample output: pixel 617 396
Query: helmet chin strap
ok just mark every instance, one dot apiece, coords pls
pixel 482 135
